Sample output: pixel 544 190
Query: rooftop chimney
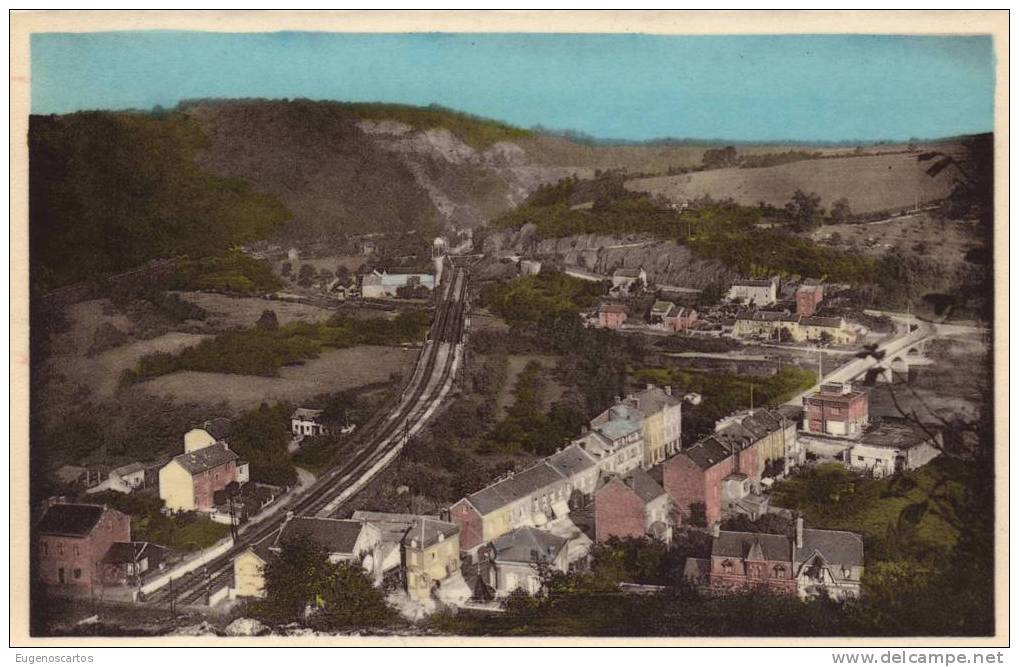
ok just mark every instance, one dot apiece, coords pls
pixel 716 528
pixel 668 390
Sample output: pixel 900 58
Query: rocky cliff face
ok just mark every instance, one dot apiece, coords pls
pixel 666 263
pixel 340 173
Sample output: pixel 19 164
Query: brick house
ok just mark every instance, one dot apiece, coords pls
pixel 72 539
pixel 808 298
pixel 694 476
pixel 190 480
pixel 810 563
pixel 611 315
pixel 632 505
pixel 836 409
pixel 723 471
pixel 680 318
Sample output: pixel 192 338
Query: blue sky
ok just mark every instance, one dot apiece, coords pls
pixel 635 87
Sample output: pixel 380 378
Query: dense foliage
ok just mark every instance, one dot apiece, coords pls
pixel 723 231
pixel 110 191
pixel 232 272
pixel 263 351
pixel 527 427
pixel 725 393
pixel 302 585
pixel 260 437
pixel 529 299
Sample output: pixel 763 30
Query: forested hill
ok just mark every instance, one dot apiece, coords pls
pixel 110 190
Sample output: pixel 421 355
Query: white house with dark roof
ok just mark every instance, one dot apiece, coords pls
pixel 756 292
pixel 307 422
pixel 515 556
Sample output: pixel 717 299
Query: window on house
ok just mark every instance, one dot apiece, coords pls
pixel 779 571
pixel 60 549
pixel 727 566
pixel 77 551
pixel 77 573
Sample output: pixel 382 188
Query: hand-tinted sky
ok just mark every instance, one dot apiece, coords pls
pixel 612 86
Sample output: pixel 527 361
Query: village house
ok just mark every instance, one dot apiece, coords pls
pixel 306 421
pixel 626 281
pixel 680 318
pixel 662 422
pixel 620 447
pixel 432 558
pixel 190 480
pixel 126 562
pixel 579 469
pixel 659 309
pixel 669 316
pixel 425 549
pixel 526 498
pixel 769 324
pixel 71 540
pixel 210 432
pixel 808 298
pixel 836 409
pixel 810 563
pixel 344 541
pixel 514 558
pixel 888 445
pixel 378 285
pixel 723 471
pixel 632 505
pixel 611 315
pixel 787 327
pixel 756 292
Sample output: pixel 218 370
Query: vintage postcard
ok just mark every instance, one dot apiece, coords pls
pixel 625 328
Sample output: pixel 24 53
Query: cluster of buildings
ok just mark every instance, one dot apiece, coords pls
pixel 762 317
pixel 626 476
pixel 380 285
pixel 421 551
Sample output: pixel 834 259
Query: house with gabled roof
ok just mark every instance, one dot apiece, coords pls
pixel 527 498
pixel 343 540
pixel 516 556
pixel 620 447
pixel 190 480
pixel 426 547
pixel 71 540
pixel 632 505
pixel 661 422
pixel 578 467
pixel 809 563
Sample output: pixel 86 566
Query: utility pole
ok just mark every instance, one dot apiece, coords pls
pixel 751 396
pixel 820 367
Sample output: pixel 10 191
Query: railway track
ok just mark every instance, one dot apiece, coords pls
pixel 381 440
